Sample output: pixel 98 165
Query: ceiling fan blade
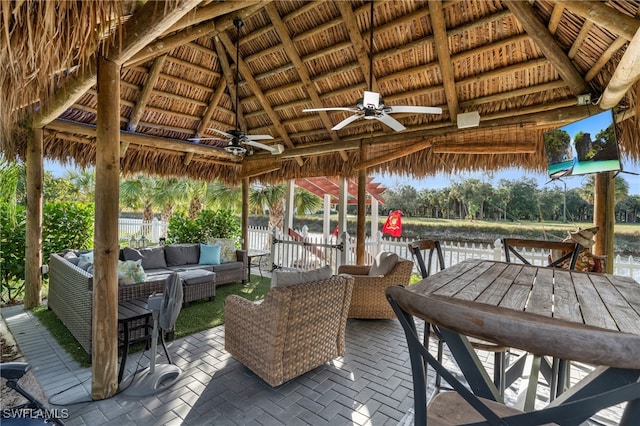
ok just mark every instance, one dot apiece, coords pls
pixel 207 139
pixel 331 109
pixel 258 137
pixel 221 132
pixel 391 122
pixel 274 149
pixel 413 109
pixel 346 121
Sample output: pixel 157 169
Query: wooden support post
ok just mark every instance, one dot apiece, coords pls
pixel 245 214
pixel 603 216
pixel 33 243
pixel 104 366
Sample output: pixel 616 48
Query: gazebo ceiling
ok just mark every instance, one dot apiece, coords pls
pixel 520 64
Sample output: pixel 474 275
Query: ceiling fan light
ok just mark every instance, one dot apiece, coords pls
pixel 235 149
pixel 468 119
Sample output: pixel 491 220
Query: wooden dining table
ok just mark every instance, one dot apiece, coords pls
pixel 578 316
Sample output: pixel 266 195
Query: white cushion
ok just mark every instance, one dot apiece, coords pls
pixel 281 278
pixel 383 264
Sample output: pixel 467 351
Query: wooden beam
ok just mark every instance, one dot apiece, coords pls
pixel 211 11
pixel 213 103
pixel 604 58
pixel 148 22
pixel 252 168
pixel 33 231
pixel 626 74
pixel 168 43
pixel 554 20
pixel 606 16
pixel 547 44
pixel 147 91
pixel 257 91
pixel 62 100
pixel 444 57
pixel 399 153
pixel 229 78
pixel 481 148
pixel 104 353
pixel 358 44
pixel 144 140
pixel 582 35
pixel 320 149
pixel 301 69
pixel 245 215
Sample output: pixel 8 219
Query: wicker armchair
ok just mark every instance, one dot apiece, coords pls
pixel 295 329
pixel 368 299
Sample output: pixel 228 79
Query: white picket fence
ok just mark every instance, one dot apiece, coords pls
pixel 313 250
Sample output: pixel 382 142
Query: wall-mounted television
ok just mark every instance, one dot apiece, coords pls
pixel 586 146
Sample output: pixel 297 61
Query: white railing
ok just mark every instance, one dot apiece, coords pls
pixel 290 254
pixel 138 233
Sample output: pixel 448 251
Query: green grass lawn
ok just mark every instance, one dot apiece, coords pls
pixel 200 315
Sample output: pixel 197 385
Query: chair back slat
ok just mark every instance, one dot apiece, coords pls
pixel 431 246
pixel 514 246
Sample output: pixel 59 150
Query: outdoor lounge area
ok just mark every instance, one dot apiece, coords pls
pixel 259 93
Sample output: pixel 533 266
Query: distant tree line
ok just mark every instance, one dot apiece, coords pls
pixel 512 200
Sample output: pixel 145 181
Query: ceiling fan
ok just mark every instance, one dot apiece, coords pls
pixel 237 138
pixel 371 106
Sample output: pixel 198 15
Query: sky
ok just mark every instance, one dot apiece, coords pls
pixel 442 181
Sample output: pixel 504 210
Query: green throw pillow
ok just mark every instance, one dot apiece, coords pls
pixel 130 271
pixel 227 249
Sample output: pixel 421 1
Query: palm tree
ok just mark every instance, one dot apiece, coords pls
pixel 168 193
pixel 84 182
pixel 269 198
pixel 219 195
pixel 305 202
pixel 137 193
pixel 11 177
pixel 621 188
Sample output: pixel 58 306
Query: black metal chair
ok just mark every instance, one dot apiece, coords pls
pixel 463 405
pixel 431 248
pixel 514 246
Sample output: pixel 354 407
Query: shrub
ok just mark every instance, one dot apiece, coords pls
pixel 208 224
pixel 64 225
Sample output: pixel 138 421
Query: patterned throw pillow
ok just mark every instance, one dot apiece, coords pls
pixel 227 249
pixel 130 271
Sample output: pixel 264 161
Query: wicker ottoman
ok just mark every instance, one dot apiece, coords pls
pixel 197 284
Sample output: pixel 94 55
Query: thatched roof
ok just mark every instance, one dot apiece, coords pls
pixel 520 64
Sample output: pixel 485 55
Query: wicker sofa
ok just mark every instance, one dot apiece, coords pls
pixel 295 329
pixel 71 297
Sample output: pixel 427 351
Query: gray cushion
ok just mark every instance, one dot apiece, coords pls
pixel 197 276
pixel 281 278
pixel 182 254
pixel 152 257
pixel 181 268
pixel 227 266
pixel 383 264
